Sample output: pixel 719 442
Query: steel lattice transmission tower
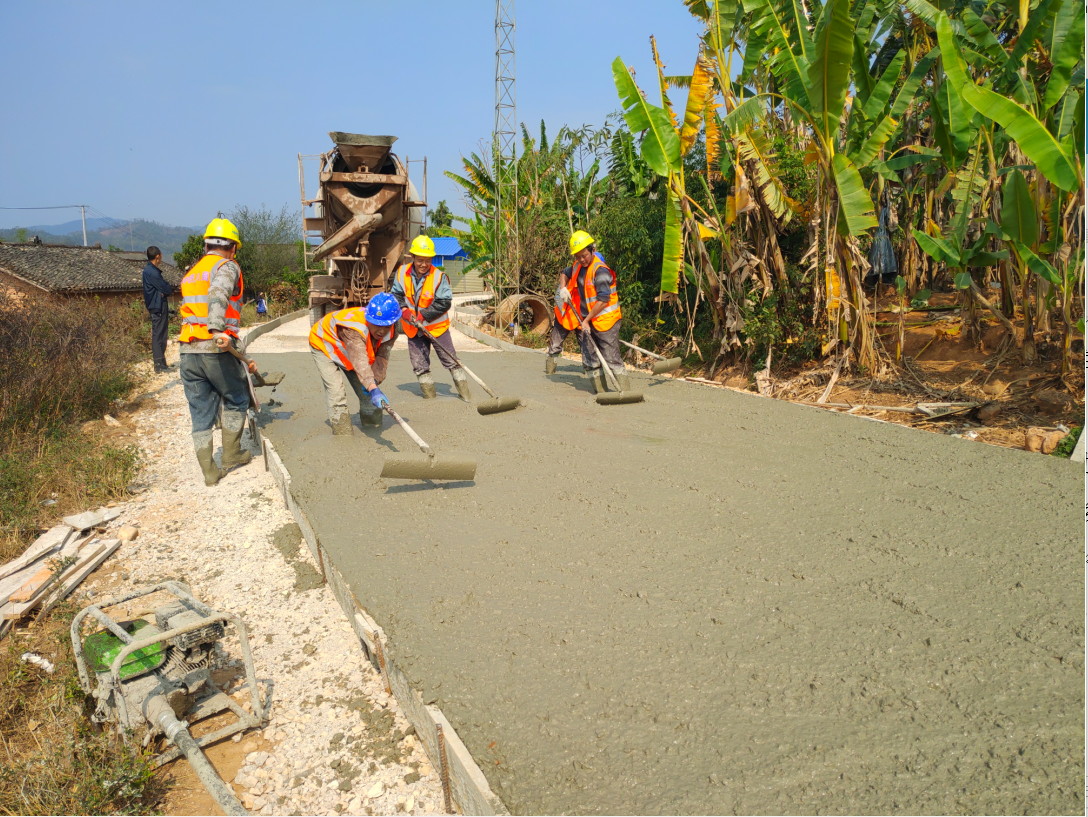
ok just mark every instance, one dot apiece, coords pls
pixel 504 149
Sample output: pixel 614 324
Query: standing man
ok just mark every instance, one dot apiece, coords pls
pixel 156 291
pixel 425 296
pixel 587 300
pixel 357 342
pixel 211 310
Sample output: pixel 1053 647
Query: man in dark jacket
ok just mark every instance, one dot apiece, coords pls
pixel 156 291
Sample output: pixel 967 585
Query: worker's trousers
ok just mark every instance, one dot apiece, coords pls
pixel 419 352
pixel 332 378
pixel 607 341
pixel 210 380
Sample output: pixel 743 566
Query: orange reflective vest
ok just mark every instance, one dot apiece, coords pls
pixel 568 314
pixel 324 338
pixel 194 301
pixel 426 298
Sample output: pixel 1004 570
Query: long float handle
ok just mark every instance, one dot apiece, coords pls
pixel 426 449
pixel 644 351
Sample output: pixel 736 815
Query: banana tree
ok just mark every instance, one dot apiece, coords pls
pixel 1032 117
pixel 816 54
pixel 666 139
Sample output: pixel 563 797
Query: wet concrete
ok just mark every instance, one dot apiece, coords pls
pixel 713 603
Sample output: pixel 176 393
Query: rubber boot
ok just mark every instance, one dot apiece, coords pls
pixel 426 386
pixel 551 363
pixel 234 423
pixel 460 382
pixel 622 380
pixel 341 426
pixel 202 443
pixel 370 417
pixel 596 376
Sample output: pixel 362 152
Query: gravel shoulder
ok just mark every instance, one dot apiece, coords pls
pixel 335 742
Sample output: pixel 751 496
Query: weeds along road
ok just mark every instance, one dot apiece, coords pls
pixel 710 602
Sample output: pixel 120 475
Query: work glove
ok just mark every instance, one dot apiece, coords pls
pixel 407 316
pixel 377 399
pixel 562 296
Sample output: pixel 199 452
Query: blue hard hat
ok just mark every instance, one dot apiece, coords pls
pixel 383 310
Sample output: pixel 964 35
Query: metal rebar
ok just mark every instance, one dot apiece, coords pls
pixel 444 769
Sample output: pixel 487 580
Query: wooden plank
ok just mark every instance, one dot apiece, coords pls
pixel 92 519
pixel 52 539
pixel 33 580
pixel 72 579
pixel 31 586
pixel 16 609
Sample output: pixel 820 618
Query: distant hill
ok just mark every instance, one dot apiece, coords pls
pixel 135 235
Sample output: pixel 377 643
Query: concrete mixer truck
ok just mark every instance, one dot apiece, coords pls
pixel 360 221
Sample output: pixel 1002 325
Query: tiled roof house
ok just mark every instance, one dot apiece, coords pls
pixel 40 269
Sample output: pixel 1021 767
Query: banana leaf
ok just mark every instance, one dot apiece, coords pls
pixel 698 92
pixel 1066 51
pixel 829 67
pixel 673 251
pixel 938 249
pixel 1039 266
pixel 855 203
pixel 1019 218
pixel 881 92
pixel 660 144
pixel 1037 143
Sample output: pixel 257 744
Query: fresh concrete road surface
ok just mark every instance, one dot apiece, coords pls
pixel 712 603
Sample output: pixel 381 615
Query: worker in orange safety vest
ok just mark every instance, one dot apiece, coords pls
pixel 211 306
pixel 354 344
pixel 587 301
pixel 425 297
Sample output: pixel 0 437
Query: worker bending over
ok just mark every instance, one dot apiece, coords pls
pixel 587 300
pixel 425 297
pixel 356 341
pixel 211 308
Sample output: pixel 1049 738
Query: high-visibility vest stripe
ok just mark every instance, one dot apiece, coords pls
pixel 195 299
pixel 324 338
pixel 569 315
pixel 426 298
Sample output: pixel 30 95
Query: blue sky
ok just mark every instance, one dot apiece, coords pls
pixel 172 111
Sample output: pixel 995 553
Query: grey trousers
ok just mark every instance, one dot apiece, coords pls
pixel 608 342
pixel 210 380
pixel 419 352
pixel 336 396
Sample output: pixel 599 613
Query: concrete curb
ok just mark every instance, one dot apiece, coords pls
pixel 260 329
pixel 467 786
pixel 488 340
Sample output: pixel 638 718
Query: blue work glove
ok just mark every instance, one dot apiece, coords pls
pixel 377 399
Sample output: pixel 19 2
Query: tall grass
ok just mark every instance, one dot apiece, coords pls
pixel 61 363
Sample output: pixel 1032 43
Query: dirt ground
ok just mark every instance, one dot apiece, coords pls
pixel 710 602
pixel 942 360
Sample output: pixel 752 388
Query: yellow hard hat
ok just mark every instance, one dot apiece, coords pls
pixel 579 241
pixel 222 228
pixel 422 246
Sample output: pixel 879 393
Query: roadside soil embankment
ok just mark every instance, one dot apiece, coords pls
pixel 711 602
pixel 335 742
